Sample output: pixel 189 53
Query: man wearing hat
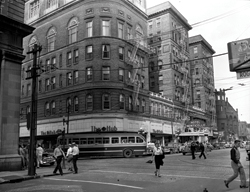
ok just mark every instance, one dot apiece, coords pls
pixel 236 166
pixel 75 152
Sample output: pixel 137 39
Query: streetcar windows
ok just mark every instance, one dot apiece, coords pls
pixel 139 140
pixel 131 140
pixel 98 140
pixel 83 141
pixel 115 140
pixel 105 140
pixel 91 140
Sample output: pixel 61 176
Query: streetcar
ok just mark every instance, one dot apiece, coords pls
pixel 126 144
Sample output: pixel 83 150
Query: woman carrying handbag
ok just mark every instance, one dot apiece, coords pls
pixel 159 156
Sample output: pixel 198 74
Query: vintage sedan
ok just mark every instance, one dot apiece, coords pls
pixel 47 159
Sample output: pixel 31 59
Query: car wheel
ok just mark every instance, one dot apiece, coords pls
pixel 184 153
pixel 127 153
pixel 52 163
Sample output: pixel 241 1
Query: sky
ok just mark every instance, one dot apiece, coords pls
pixel 222 21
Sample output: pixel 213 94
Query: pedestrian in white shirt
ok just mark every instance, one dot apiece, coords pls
pixel 75 153
pixel 69 157
pixel 39 155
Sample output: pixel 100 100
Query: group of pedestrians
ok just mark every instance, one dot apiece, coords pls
pixel 158 156
pixel 71 157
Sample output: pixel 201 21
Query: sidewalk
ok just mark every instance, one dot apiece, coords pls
pixel 18 176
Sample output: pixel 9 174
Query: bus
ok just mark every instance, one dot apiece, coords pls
pixel 126 144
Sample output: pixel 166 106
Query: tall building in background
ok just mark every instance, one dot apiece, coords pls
pixel 202 73
pixel 12 31
pixel 227 117
pixel 169 68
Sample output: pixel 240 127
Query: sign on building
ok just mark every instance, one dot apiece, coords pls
pixel 239 55
pixel 243 74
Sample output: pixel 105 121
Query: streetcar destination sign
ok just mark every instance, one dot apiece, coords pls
pixel 243 74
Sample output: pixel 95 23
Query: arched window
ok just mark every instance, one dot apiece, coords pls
pixel 130 106
pixel 89 102
pixel 47 109
pixel 106 101
pixel 53 107
pixel 68 105
pixel 122 101
pixel 51 38
pixel 32 42
pixel 197 81
pixel 73 25
pixel 76 104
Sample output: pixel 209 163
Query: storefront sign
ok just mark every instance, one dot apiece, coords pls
pixel 103 129
pixel 54 132
pixel 157 131
pixel 196 123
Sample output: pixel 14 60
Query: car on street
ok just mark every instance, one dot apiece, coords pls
pixel 47 159
pixel 247 146
pixel 227 145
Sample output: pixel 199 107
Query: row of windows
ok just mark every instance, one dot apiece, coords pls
pixel 105 31
pixel 72 78
pixel 50 107
pixel 104 140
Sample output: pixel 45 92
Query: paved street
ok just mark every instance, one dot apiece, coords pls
pixel 179 173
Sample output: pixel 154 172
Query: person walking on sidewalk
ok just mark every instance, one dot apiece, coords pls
pixel 193 148
pixel 158 153
pixel 75 152
pixel 236 166
pixel 202 148
pixel 69 157
pixel 58 154
pixel 39 155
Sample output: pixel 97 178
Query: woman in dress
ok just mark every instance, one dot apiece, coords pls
pixel 158 154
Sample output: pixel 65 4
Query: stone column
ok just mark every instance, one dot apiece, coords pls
pixel 10 83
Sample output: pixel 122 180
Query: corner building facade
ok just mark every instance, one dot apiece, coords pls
pixel 85 67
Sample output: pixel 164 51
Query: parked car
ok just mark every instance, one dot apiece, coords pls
pixel 210 147
pixel 227 145
pixel 247 146
pixel 47 159
pixel 216 146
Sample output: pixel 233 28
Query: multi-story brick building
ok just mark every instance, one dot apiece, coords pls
pixel 169 68
pixel 202 74
pixel 227 117
pixel 13 30
pixel 88 72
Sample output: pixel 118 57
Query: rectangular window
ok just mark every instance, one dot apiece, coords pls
pixel 39 86
pixel 51 43
pixel 120 30
pixel 90 29
pixel 76 79
pixel 60 80
pixel 69 58
pixel 47 67
pixel 60 60
pixel 142 63
pixel 106 51
pixel 89 52
pixel 159 49
pixel 34 8
pixel 53 66
pixel 195 50
pixel 105 73
pixel 72 34
pixel 121 53
pixel 114 140
pixel 106 101
pixel 197 71
pixel 47 83
pixel 53 82
pixel 129 33
pixel 142 82
pixel 150 25
pixel 89 74
pixel 105 28
pixel 121 75
pixel 69 77
pixel 76 56
pixel 129 54
pixel 158 22
pixel 28 89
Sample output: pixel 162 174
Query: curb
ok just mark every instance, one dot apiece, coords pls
pixel 24 178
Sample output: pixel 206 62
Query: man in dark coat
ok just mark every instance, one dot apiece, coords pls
pixel 202 148
pixel 193 148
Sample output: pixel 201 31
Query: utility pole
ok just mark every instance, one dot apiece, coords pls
pixel 32 74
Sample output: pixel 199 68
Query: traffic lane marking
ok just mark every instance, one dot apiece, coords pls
pixel 185 176
pixel 95 182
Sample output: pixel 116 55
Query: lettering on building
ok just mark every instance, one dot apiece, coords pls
pixel 157 131
pixel 50 132
pixel 103 129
